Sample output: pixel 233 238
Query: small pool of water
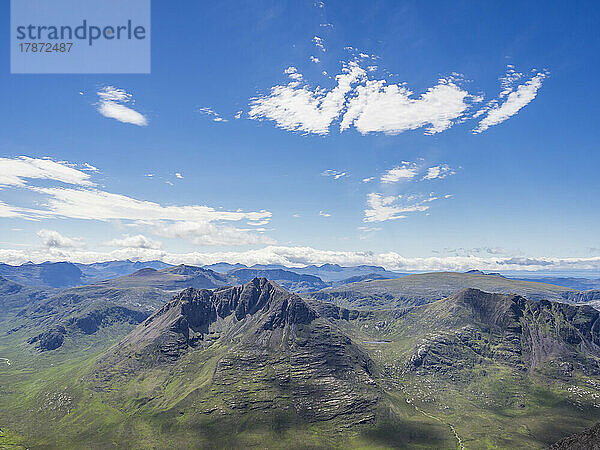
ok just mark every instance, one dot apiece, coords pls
pixel 378 342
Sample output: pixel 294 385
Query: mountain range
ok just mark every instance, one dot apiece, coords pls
pixel 185 356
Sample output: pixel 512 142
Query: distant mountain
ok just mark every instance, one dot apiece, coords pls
pixel 335 272
pixel 287 279
pixel 359 278
pixel 173 278
pixel 66 274
pixel 581 284
pixel 49 275
pixel 224 267
pixel 326 272
pixel 113 269
pixel 424 288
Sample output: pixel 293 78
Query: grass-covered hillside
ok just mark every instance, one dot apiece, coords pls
pixel 257 367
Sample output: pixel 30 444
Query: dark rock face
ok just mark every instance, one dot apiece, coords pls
pixel 274 353
pixel 88 324
pixel 507 328
pixel 91 322
pixel 185 321
pixel 50 340
pixel 582 296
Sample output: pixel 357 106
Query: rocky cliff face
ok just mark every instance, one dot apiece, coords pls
pixel 511 330
pixel 197 318
pixel 269 350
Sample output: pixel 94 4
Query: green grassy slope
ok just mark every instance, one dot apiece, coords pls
pixel 254 367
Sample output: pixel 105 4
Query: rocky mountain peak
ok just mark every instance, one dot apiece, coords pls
pixel 197 316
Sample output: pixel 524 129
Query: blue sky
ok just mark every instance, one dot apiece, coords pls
pixel 490 161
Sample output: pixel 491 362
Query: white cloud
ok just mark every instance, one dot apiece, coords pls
pixel 15 171
pixel 319 43
pixel 111 105
pixel 258 223
pixel 295 107
pixel 238 114
pixel 382 208
pixel 94 204
pixel 206 233
pixel 516 99
pixel 335 174
pixel 178 175
pixel 202 225
pixel 392 109
pixel 89 168
pixel 368 180
pixel 315 59
pixel 301 256
pixel 324 214
pixel 293 73
pixel 438 172
pixel 137 241
pixel 406 171
pixel 54 239
pixel 88 203
pixel 376 106
pixel 216 117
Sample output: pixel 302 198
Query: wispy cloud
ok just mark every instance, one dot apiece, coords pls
pixel 438 172
pixel 215 116
pixel 367 232
pixel 112 102
pixel 95 204
pixel 87 202
pixel 335 174
pixel 324 214
pixel 406 171
pixel 319 43
pixel 382 208
pixel 16 171
pixel 498 111
pixel 296 107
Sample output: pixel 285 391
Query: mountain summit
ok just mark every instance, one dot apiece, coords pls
pixel 254 353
